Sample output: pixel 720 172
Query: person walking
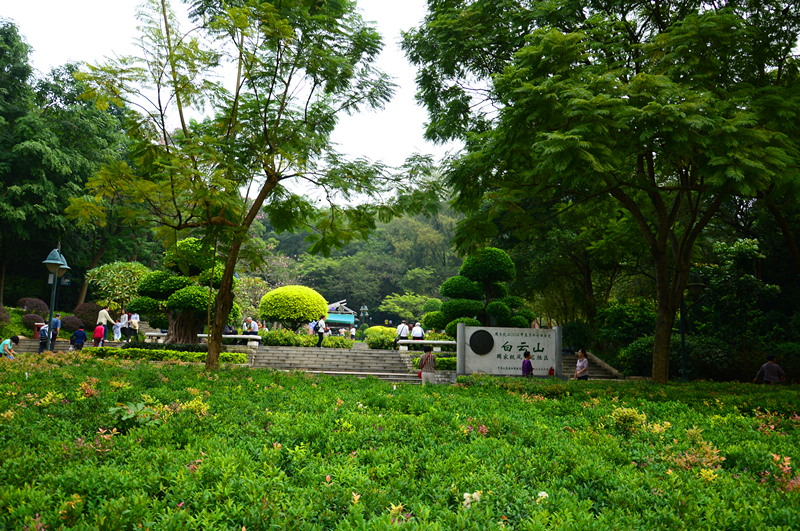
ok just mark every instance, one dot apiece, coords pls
pixel 99 335
pixel 55 328
pixel 771 371
pixel 417 334
pixel 427 365
pixel 7 350
pixel 104 318
pixel 320 328
pixel 582 367
pixel 125 324
pixel 527 366
pixel 78 338
pixel 402 332
pixel 353 332
pixel 134 322
pixel 44 338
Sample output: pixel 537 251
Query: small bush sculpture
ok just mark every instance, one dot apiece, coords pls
pixel 87 312
pixel 70 323
pixel 30 319
pixel 292 306
pixel 34 305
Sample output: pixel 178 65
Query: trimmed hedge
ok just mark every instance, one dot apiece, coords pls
pixel 178 347
pixel 70 323
pixel 452 326
pixel 459 287
pixel 442 364
pixel 453 309
pixel 380 337
pixel 488 265
pixel 287 338
pixel 162 355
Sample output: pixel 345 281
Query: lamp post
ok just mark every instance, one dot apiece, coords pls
pixel 57 265
pixel 364 313
pixel 696 287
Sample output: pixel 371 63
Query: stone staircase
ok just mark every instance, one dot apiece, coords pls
pixel 360 362
pixel 598 370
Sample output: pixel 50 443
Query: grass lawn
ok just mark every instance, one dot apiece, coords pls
pixel 119 444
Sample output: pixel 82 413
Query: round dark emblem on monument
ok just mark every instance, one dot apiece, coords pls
pixel 481 342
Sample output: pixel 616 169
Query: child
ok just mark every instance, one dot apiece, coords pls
pixel 117 331
pixel 99 334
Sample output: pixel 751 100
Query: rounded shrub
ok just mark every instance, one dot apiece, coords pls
pixel 189 298
pixel 71 323
pixel 527 314
pixel 158 321
pixel 189 257
pixel 517 321
pixel 498 290
pixel 174 284
pixel 456 308
pixel 432 305
pixel 34 305
pixel 152 285
pixel 434 321
pixel 292 305
pixel 5 317
pixel 145 306
pixel 205 277
pixel 499 311
pixel 514 302
pixel 452 326
pixel 87 312
pixel 488 265
pixel 380 337
pixel 459 287
pixel 30 319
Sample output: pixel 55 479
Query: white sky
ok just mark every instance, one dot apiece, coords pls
pixel 60 31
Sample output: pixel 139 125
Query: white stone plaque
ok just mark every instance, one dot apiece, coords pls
pixel 500 351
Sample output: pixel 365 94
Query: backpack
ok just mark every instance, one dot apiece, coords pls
pixel 43 331
pixel 316 327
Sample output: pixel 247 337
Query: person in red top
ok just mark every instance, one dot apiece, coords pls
pixel 99 334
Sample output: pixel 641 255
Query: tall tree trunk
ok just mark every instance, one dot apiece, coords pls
pixel 3 278
pixel 184 326
pixel 791 243
pixel 85 285
pixel 224 299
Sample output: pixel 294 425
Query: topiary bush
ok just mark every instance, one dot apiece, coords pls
pixel 380 337
pixel 499 311
pixel 205 277
pixel 292 305
pixel 488 265
pixel 30 319
pixel 527 314
pixel 189 257
pixel 514 302
pixel 5 317
pixel 456 308
pixel 434 320
pixel 706 359
pixel 34 306
pixel 518 321
pixel 153 285
pixel 87 312
pixel 432 305
pixel 460 287
pixel 452 326
pixel 70 323
pixel 190 297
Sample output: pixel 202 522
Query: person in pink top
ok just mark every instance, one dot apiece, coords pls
pixel 582 367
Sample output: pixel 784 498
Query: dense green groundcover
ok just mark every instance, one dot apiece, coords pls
pixel 93 443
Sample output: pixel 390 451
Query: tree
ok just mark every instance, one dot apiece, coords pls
pixel 292 306
pixel 661 107
pixel 296 65
pixel 118 281
pixel 50 142
pixel 408 305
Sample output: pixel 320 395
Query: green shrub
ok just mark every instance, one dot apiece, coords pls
pixel 515 303
pixel 497 290
pixel 452 326
pixel 435 336
pixel 622 323
pixel 706 358
pixel 162 355
pixel 499 311
pixel 434 320
pixel 205 277
pixel 519 321
pixel 287 338
pixel 488 265
pixel 292 306
pixel 627 420
pixel 153 285
pixel 380 337
pixel 459 287
pixel 432 305
pixel 453 309
pixel 577 334
pixel 189 298
pixel 189 257
pixel 179 347
pixel 442 364
pixel 527 314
